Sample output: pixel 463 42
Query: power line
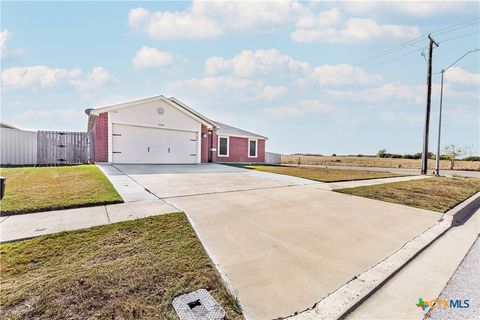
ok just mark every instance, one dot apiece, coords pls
pixel 455 29
pixel 458 37
pixel 393 59
pixel 406 44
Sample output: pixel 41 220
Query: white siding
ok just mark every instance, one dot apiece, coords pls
pixel 18 147
pixel 146 115
pixel 142 127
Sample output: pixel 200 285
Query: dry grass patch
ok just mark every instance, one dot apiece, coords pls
pixel 436 194
pixel 128 270
pixel 376 162
pixel 322 174
pixel 48 188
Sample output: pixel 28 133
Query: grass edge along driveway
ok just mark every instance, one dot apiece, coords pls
pixel 436 193
pixel 33 189
pixel 320 174
pixel 126 270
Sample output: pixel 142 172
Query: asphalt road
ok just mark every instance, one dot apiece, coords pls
pixel 463 285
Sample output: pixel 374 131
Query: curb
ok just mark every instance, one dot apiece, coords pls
pixel 464 210
pixel 338 304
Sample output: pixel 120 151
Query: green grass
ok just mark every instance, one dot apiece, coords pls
pixel 48 188
pixel 127 270
pixel 436 194
pixel 320 174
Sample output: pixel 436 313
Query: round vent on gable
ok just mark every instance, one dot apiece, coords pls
pixel 160 110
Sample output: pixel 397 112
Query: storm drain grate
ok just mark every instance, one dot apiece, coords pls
pixel 198 305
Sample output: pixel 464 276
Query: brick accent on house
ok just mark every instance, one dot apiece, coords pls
pixel 100 131
pixel 215 146
pixel 204 146
pixel 238 151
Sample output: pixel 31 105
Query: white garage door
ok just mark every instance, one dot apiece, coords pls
pixel 133 144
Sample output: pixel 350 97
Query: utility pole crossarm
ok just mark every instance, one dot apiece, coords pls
pixel 431 39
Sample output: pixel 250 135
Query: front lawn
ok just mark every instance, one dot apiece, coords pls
pixel 321 174
pixel 127 270
pixel 436 194
pixel 48 188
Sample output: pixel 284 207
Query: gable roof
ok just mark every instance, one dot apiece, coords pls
pixel 93 112
pixel 225 129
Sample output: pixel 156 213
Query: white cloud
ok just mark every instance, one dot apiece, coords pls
pixel 94 79
pixel 353 30
pixel 461 76
pixel 226 88
pixel 411 8
pixel 273 92
pixel 148 57
pixel 5 35
pixel 388 92
pixel 43 76
pixel 301 108
pixel 322 19
pixel 215 65
pixel 339 74
pixel 63 114
pixel 209 19
pixel 171 25
pixel 214 86
pixel 249 63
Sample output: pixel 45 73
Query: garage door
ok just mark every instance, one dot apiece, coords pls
pixel 133 144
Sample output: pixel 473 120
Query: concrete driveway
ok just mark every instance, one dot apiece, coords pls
pixel 284 249
pixel 281 243
pixel 166 181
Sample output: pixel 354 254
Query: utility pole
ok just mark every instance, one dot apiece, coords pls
pixel 429 102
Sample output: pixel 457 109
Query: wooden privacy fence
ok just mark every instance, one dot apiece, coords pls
pixel 57 147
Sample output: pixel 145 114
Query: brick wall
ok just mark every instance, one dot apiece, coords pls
pixel 204 146
pixel 100 131
pixel 238 151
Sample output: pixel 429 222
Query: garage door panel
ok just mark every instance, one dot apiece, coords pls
pixel 134 144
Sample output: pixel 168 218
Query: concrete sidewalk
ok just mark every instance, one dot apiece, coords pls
pixel 128 188
pixel 460 173
pixel 425 277
pixel 372 182
pixel 23 226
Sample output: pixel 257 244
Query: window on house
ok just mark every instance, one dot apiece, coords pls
pixel 223 146
pixel 252 148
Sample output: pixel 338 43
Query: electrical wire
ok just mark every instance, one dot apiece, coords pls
pixel 393 59
pixel 409 43
pixel 458 37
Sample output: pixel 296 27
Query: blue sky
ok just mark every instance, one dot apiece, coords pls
pixel 315 77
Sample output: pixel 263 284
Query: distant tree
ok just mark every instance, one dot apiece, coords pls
pixel 382 153
pixel 334 155
pixel 452 152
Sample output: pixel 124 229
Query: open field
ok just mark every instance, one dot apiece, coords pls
pixel 49 188
pixel 127 270
pixel 437 193
pixel 376 162
pixel 322 174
